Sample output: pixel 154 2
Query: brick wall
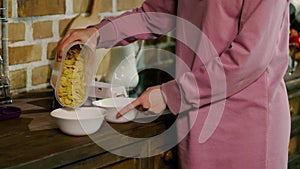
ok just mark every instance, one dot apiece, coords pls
pixel 35 27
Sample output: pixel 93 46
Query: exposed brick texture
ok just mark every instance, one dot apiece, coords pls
pixel 128 4
pixel 18 79
pixel 24 54
pixel 63 26
pixel 42 30
pixel 28 8
pixel 82 6
pixel 104 5
pixel 41 75
pixel 85 6
pixel 16 32
pixel 51 50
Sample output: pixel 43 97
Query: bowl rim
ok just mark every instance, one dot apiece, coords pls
pixel 111 102
pixel 64 113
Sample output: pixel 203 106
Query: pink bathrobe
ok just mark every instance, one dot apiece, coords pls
pixel 250 40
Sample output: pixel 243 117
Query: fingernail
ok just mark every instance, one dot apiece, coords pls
pixel 118 115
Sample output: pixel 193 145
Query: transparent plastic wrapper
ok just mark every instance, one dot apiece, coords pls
pixel 73 74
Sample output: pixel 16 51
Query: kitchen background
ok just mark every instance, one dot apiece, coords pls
pixel 36 26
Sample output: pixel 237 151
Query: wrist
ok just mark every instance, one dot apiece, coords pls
pixel 95 33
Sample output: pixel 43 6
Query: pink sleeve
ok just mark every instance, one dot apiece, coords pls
pixel 263 36
pixel 152 19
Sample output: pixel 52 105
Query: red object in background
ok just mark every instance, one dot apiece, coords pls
pixel 295 40
pixel 293 32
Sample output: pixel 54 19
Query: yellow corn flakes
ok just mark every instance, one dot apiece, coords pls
pixel 71 85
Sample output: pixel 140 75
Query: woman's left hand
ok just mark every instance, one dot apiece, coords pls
pixel 151 100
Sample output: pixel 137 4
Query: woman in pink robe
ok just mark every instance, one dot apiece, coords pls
pixel 250 40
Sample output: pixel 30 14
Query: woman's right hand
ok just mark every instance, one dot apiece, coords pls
pixel 88 36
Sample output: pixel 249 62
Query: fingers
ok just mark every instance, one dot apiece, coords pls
pixel 140 104
pixel 84 35
pixel 70 37
pixel 125 109
pixel 151 100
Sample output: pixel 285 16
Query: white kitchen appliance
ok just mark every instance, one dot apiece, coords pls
pixel 295 9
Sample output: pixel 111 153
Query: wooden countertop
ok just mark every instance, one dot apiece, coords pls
pixel 34 141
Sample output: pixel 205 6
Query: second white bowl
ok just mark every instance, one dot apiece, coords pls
pixel 113 105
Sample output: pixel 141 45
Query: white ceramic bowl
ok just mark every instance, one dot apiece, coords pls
pixel 80 121
pixel 113 105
